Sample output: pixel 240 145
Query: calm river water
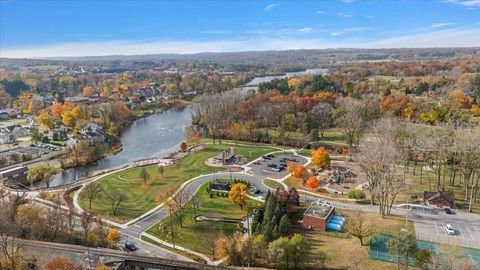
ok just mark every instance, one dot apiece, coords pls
pixel 157 135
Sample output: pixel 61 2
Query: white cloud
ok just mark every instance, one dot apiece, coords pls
pixel 438 25
pixel 305 30
pixel 468 3
pixel 458 37
pixel 355 29
pixel 269 7
pixel 345 14
pixel 348 1
pixel 320 12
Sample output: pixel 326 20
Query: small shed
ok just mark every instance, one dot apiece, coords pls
pixel 439 199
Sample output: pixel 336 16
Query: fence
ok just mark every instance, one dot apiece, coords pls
pixel 379 251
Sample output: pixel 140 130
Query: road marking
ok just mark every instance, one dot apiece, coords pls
pixel 436 228
pixel 468 230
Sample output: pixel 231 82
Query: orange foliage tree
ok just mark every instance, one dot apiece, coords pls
pixel 312 182
pixel 321 158
pixel 60 263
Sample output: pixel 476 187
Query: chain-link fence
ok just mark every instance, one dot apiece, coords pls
pixel 379 250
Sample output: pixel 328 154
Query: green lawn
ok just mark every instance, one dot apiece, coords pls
pixel 200 236
pixel 272 184
pixel 141 197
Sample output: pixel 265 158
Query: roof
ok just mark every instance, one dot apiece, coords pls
pixel 319 210
pixel 227 156
pixel 13 171
pixel 450 197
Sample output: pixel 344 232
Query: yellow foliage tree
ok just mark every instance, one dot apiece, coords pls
pixel 238 194
pixel 113 238
pixel 68 119
pixel 88 91
pixel 321 158
pixel 45 119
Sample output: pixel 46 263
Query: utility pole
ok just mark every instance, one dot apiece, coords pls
pixel 472 191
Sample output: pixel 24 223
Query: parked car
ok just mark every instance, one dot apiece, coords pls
pixel 449 229
pixel 448 211
pixel 266 157
pixel 270 155
pixel 256 162
pixel 284 165
pixel 283 160
pixel 277 169
pixel 130 246
pixel 292 159
pixel 272 165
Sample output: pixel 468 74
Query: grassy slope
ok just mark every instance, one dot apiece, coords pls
pixel 196 236
pixel 141 197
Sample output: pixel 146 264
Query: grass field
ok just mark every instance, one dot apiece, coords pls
pixel 343 252
pixel 141 197
pixel 272 184
pixel 200 236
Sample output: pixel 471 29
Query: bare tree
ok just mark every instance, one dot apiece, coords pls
pixel 174 201
pixel 348 116
pixel 116 197
pixel 323 117
pixel 467 144
pixel 359 227
pixel 93 190
pixel 378 158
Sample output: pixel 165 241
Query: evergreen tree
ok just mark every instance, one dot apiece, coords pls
pixel 284 226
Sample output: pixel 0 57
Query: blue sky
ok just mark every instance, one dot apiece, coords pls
pixel 81 28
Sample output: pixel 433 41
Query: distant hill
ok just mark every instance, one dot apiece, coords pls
pixel 305 58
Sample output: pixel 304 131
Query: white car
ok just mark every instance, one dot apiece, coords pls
pixel 449 229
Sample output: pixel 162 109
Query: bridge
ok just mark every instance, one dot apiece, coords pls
pixel 124 260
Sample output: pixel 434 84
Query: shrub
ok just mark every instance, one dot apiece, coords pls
pixel 356 194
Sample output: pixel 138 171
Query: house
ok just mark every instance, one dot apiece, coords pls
pixel 16 174
pixel 9 138
pixel 4 115
pixel 439 199
pixel 318 215
pixel 14 129
pixel 92 133
pixel 220 186
pixel 226 157
pixel 78 100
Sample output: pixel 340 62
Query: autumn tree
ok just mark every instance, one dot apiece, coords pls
pixel 322 114
pixel 235 132
pixel 321 158
pixel 238 194
pixel 301 173
pixel 183 147
pixel 45 119
pixel 61 263
pixel 291 166
pixel 113 237
pixel 93 190
pixel 43 172
pixel 312 182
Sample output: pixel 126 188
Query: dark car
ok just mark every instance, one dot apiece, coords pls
pixel 256 162
pixel 448 211
pixel 266 157
pixel 270 155
pixel 284 165
pixel 130 246
pixel 272 165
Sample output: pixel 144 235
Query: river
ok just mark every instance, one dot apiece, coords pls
pixel 157 135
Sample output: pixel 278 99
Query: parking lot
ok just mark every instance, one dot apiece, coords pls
pixel 431 227
pixel 264 167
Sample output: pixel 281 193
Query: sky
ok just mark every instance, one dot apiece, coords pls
pixel 36 28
